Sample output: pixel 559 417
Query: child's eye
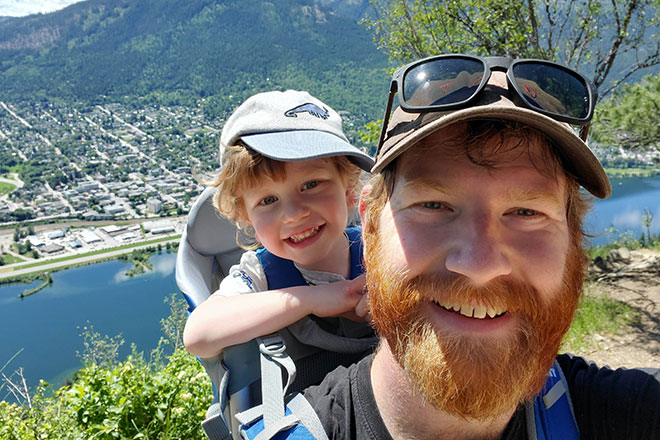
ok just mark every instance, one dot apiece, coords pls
pixel 268 200
pixel 310 185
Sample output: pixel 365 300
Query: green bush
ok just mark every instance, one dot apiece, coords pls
pixel 130 401
pixel 165 397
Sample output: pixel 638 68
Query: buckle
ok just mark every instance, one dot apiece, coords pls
pixel 271 345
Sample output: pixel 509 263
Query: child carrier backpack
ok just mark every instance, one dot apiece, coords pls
pixel 276 366
pixel 207 247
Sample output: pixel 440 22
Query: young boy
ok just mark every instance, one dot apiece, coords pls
pixel 289 180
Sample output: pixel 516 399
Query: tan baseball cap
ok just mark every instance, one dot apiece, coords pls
pixel 405 130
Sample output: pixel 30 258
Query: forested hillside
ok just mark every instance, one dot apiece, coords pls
pixel 176 51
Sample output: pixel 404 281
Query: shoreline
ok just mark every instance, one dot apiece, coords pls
pixel 12 274
pixel 629 173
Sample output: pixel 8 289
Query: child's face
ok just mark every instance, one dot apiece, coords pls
pixel 303 217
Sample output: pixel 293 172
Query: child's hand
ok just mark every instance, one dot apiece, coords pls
pixel 339 299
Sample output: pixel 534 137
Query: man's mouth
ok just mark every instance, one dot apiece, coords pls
pixel 479 311
pixel 297 238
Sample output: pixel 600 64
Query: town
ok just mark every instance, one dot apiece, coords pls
pixel 117 163
pixel 62 163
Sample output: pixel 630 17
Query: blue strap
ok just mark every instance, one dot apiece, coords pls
pixel 281 273
pixel 553 411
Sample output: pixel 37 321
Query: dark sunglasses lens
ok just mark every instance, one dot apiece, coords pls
pixel 443 81
pixel 552 89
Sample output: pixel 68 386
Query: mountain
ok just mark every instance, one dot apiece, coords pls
pixel 178 51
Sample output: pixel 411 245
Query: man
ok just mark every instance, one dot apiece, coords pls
pixel 475 263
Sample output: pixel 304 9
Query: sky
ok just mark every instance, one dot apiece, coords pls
pixel 19 8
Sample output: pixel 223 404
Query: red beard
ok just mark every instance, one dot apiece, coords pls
pixel 471 377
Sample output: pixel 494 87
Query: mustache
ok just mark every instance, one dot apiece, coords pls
pixel 502 293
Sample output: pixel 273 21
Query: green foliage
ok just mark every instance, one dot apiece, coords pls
pixel 626 239
pixel 6 188
pixel 597 314
pixel 132 399
pixel 370 135
pixel 583 34
pixel 162 398
pixel 173 52
pixel 630 117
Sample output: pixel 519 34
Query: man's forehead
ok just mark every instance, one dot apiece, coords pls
pixel 496 145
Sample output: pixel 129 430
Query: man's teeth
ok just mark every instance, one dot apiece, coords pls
pixel 470 311
pixel 297 238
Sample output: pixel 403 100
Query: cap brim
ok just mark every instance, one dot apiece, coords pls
pixel 578 158
pixel 291 146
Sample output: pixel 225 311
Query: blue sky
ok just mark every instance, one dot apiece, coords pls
pixel 19 8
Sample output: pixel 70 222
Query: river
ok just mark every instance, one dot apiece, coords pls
pixel 47 325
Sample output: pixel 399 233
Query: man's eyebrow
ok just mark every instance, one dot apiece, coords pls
pixel 526 194
pixel 518 194
pixel 420 183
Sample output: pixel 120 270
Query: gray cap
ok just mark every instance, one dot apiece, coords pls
pixel 405 130
pixel 290 126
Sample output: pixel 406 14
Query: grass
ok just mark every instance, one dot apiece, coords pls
pixel 10 259
pixel 6 188
pixel 631 172
pixel 597 314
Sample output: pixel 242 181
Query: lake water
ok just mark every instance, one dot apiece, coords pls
pixel 625 208
pixel 47 325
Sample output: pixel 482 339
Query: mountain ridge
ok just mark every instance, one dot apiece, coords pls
pixel 176 51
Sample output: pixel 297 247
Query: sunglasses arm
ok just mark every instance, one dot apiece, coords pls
pixel 386 118
pixel 584 131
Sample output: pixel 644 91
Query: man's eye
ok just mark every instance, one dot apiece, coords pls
pixel 310 185
pixel 268 200
pixel 526 212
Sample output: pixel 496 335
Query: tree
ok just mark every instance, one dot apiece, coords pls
pixel 630 117
pixel 582 34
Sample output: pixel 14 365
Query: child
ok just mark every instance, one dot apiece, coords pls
pixel 288 179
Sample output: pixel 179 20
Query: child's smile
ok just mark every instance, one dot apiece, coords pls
pixel 303 217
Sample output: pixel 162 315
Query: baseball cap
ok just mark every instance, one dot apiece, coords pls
pixel 290 126
pixel 406 129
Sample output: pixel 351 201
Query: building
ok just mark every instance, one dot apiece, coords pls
pixel 52 248
pixel 89 237
pixel 154 205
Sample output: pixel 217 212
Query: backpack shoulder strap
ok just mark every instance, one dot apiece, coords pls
pixel 550 414
pixel 354 234
pixel 279 272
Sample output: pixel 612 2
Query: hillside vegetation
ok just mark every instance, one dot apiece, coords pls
pixel 177 51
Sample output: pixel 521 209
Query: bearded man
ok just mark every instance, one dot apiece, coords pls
pixel 474 252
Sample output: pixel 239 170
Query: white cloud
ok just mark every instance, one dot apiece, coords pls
pixel 20 8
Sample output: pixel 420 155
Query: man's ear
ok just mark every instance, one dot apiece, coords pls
pixel 366 190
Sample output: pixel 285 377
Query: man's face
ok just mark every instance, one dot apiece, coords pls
pixel 472 277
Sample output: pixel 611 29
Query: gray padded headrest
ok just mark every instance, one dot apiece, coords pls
pixel 209 233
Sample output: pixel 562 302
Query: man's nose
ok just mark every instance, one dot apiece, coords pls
pixel 478 251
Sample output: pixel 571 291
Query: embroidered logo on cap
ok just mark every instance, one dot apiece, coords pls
pixel 310 108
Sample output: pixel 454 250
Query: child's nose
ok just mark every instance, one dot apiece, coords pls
pixel 295 209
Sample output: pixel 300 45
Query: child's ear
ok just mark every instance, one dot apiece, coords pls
pixel 351 198
pixel 366 190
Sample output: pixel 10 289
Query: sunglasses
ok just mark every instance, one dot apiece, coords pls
pixel 452 82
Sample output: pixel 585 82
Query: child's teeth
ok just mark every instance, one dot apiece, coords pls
pixel 300 237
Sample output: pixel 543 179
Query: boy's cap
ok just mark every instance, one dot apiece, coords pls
pixel 406 129
pixel 290 126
